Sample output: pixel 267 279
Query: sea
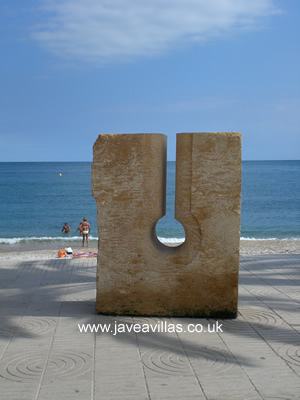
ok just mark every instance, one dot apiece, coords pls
pixel 37 198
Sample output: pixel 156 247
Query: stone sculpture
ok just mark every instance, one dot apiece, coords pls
pixel 136 273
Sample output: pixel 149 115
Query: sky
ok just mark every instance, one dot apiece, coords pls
pixel 73 69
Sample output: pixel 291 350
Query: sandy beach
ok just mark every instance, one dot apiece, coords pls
pixel 261 247
pixel 247 247
pixel 28 252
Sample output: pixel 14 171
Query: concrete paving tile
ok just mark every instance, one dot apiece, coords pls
pixel 218 392
pixel 44 355
pixel 263 379
pixel 22 367
pixel 180 385
pixel 112 361
pixel 295 368
pixel 279 396
pixel 120 396
pixel 180 397
pixel 128 385
pixel 18 391
pixel 106 368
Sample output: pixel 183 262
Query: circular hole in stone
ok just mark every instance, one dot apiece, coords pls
pixel 170 232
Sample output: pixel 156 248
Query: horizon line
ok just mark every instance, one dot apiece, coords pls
pixel 90 161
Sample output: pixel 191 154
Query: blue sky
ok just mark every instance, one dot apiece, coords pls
pixel 72 69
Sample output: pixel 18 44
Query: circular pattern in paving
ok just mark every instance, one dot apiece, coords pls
pixel 149 321
pixel 211 360
pixel 290 353
pixel 261 318
pixel 166 363
pixel 7 330
pixel 25 367
pixel 205 361
pixel 266 292
pixel 69 365
pixel 295 295
pixel 37 325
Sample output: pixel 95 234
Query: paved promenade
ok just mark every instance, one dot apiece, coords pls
pixel 43 355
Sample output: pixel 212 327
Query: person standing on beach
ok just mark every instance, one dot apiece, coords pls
pixel 86 228
pixel 66 228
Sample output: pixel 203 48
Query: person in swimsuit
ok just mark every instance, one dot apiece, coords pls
pixel 66 228
pixel 80 228
pixel 86 228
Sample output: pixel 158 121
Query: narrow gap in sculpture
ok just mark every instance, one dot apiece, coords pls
pixel 169 231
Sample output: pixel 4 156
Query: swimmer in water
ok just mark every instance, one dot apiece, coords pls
pixel 80 228
pixel 66 228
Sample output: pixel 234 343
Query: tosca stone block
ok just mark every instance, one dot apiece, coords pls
pixel 136 273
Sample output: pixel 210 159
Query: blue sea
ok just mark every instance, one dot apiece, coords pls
pixel 35 202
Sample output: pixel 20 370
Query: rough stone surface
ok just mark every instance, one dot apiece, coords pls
pixel 138 275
